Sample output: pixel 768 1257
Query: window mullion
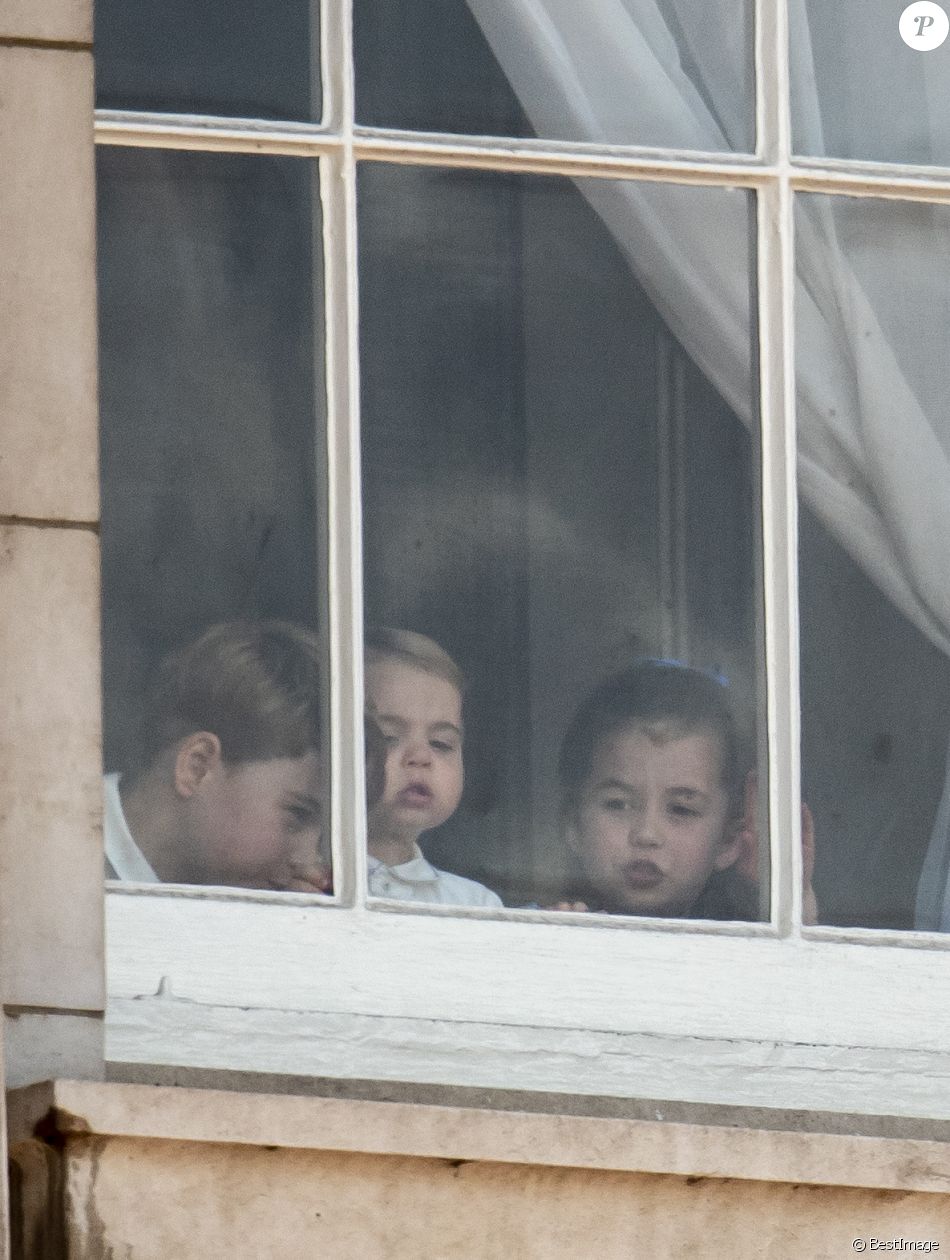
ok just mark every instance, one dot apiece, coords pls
pixel 776 272
pixel 344 560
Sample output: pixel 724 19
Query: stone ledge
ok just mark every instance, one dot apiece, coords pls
pixel 63 1109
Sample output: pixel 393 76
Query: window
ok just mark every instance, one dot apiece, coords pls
pixel 494 348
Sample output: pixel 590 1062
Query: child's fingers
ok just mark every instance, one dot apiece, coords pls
pixel 577 906
pixel 303 885
pixel 312 879
pixel 809 902
pixel 808 843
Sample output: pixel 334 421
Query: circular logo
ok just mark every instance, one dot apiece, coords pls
pixel 924 25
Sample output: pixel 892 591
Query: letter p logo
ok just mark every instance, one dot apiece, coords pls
pixel 924 26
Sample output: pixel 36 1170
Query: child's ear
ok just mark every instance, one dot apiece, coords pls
pixel 730 846
pixel 571 833
pixel 196 757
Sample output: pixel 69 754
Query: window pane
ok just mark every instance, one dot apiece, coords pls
pixel 604 72
pixel 858 91
pixel 873 303
pixel 245 58
pixel 555 488
pixel 210 516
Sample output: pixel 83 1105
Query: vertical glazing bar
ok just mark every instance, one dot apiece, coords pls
pixel 336 63
pixel 776 277
pixel 319 108
pixel 344 560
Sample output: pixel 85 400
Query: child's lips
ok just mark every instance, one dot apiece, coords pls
pixel 415 795
pixel 642 874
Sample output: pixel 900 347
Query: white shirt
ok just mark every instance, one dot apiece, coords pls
pixel 419 880
pixel 122 853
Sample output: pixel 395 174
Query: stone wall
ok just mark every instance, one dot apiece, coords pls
pixel 159 1172
pixel 50 845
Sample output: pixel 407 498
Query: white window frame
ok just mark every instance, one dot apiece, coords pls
pixel 763 1014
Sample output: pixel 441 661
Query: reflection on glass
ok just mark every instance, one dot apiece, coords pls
pixel 211 668
pixel 873 301
pixel 245 58
pixel 883 101
pixel 561 71
pixel 557 485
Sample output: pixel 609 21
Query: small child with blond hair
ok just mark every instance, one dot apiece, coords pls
pixel 414 692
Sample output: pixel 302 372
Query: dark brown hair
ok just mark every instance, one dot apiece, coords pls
pixel 684 700
pixel 652 692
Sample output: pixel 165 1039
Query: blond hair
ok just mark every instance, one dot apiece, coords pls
pixel 409 648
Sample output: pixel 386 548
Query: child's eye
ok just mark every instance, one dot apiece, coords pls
pixel 615 804
pixel 442 745
pixel 390 740
pixel 684 811
pixel 301 816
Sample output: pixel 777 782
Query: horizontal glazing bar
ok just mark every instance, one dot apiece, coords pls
pixel 192 132
pixel 887 183
pixel 212 134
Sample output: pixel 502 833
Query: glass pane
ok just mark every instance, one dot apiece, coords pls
pixel 557 485
pixel 859 91
pixel 873 303
pixel 245 58
pixel 211 580
pixel 673 74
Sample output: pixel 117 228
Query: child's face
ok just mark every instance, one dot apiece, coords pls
pixel 420 716
pixel 257 824
pixel 652 824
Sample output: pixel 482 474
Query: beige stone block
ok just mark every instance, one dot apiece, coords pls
pixel 159 1199
pixel 158 1172
pixel 48 417
pixel 59 20
pixel 51 902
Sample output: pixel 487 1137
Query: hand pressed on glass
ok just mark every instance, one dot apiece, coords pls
pixel 747 863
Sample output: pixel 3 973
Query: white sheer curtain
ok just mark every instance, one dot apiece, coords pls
pixel 872 308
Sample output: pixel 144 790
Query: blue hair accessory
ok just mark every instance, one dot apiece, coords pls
pixel 669 663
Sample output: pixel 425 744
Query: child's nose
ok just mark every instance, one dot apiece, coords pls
pixel 418 753
pixel 645 831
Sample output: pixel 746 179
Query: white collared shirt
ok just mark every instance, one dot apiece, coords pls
pixel 419 880
pixel 123 855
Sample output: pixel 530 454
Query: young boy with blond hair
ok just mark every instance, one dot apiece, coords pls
pixel 414 691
